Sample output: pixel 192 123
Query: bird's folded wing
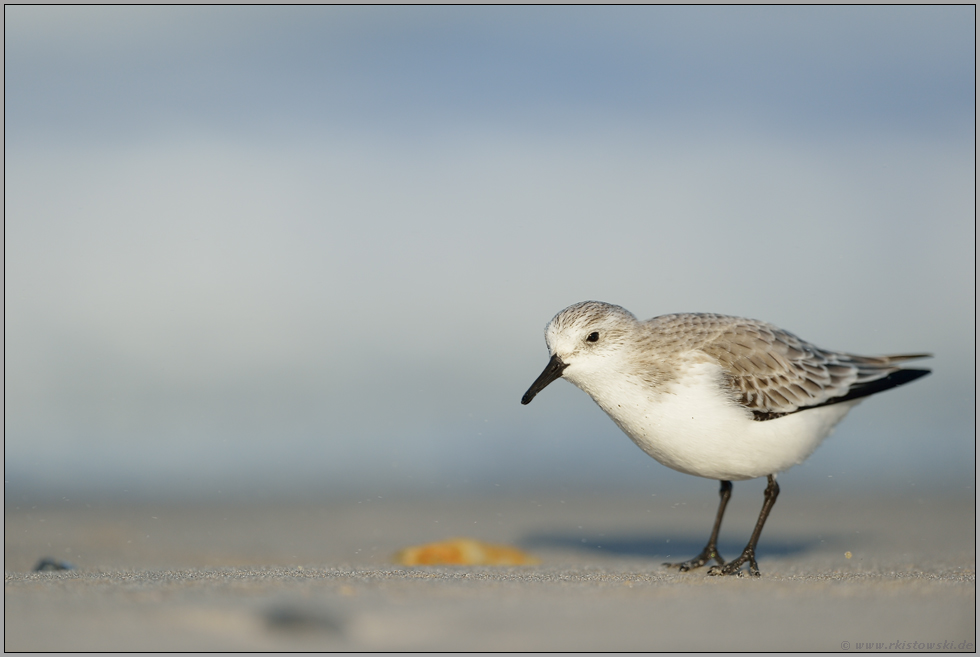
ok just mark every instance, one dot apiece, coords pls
pixel 772 372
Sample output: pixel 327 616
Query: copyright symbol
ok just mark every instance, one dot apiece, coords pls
pixel 845 645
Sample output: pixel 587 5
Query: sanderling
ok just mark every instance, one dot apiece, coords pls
pixel 714 396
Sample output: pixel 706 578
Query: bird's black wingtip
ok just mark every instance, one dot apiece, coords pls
pixel 894 379
pixel 905 376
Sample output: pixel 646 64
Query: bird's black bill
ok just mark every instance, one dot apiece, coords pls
pixel 551 372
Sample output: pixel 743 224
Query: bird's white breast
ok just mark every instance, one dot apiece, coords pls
pixel 692 425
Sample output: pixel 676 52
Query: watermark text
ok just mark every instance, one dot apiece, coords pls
pixel 908 645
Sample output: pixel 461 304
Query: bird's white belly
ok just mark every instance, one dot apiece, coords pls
pixel 693 427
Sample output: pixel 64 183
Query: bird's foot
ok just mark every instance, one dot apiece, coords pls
pixel 734 567
pixel 707 554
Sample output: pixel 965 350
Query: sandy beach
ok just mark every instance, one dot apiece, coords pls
pixel 839 573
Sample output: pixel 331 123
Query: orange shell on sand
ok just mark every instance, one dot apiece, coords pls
pixel 463 552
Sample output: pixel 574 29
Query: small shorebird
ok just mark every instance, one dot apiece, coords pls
pixel 714 396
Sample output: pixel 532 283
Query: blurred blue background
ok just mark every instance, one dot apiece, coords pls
pixel 259 251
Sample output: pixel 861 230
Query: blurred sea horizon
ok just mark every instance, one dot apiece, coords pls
pixel 279 251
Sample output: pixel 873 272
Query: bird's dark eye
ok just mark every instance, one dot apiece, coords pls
pixel 593 337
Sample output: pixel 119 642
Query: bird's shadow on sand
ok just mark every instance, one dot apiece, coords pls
pixel 676 547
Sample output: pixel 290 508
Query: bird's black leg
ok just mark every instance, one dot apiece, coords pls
pixel 748 554
pixel 710 550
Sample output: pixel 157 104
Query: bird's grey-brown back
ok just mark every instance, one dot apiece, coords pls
pixel 771 371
